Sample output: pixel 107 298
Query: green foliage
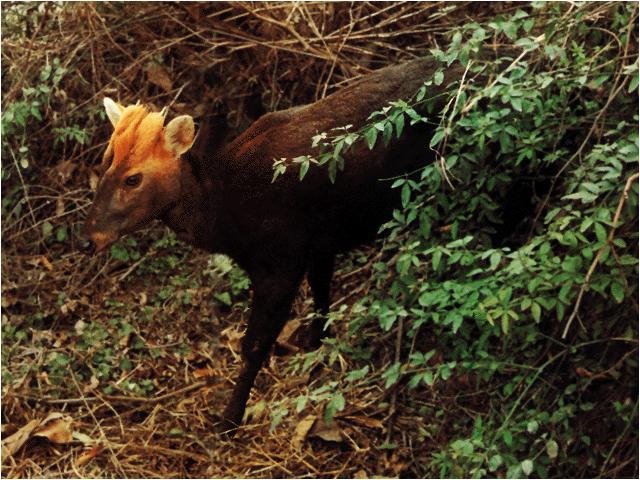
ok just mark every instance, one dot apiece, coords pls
pixel 34 102
pixel 554 121
pixel 30 110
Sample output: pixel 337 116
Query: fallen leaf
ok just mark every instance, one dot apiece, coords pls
pixel 44 376
pixel 93 384
pixel 65 169
pixel 46 263
pixel 68 307
pixel 204 372
pixel 57 430
pixel 94 179
pixel 59 206
pixel 159 76
pixel 365 421
pixel 583 372
pixel 360 474
pixel 287 332
pixel 124 341
pixel 84 438
pixel 8 300
pixel 395 464
pixel 327 432
pixel 302 430
pixel 256 412
pixel 234 338
pixel 79 327
pixel 13 443
pixel 88 455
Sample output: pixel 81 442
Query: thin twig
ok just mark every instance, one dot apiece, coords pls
pixel 596 260
pixel 120 398
pixel 394 394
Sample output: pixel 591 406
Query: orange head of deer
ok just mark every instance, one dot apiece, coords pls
pixel 141 172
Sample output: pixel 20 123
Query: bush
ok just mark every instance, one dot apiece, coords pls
pixel 510 274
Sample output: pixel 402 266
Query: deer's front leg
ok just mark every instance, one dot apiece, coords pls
pixel 270 310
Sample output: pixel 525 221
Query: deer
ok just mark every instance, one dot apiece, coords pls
pixel 222 198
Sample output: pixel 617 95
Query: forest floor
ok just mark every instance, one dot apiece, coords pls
pixel 167 338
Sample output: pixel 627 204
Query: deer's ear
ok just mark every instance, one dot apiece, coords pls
pixel 114 110
pixel 179 134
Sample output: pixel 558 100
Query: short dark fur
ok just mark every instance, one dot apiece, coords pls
pixel 279 231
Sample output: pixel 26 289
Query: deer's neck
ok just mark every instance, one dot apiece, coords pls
pixel 193 216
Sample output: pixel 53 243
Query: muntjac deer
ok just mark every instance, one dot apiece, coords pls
pixel 224 200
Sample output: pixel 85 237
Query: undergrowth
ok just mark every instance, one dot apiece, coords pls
pixel 512 266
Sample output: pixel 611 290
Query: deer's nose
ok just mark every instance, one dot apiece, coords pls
pixel 88 247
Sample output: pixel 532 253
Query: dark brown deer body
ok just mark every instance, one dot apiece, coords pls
pixel 224 201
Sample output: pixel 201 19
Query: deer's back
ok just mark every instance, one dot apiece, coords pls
pixel 314 212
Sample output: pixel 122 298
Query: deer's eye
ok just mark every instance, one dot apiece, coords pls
pixel 133 180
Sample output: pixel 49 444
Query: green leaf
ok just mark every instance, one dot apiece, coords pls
pixel 437 137
pixel 405 195
pixel 398 182
pixel 454 319
pixel 370 137
pixel 399 122
pixel 527 467
pixel 583 196
pixel 223 298
pixel 495 462
pixel 387 133
pixel 633 85
pixel 617 290
pixel 61 234
pixel 601 233
pixel 357 374
pixel 118 252
pixel 276 418
pixel 552 449
pixel 510 29
pixel 304 167
pixel 47 228
pixel 438 77
pixel 628 260
pixel 336 404
pixel 494 260
pixel 392 375
pixel 564 292
pixel 435 260
pixel 415 381
pixel 536 311
pixel 505 323
pixel 505 295
pixel 528 25
pixel 125 364
pixel 333 167
pixel 507 437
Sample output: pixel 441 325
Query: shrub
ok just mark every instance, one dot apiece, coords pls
pixel 512 265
